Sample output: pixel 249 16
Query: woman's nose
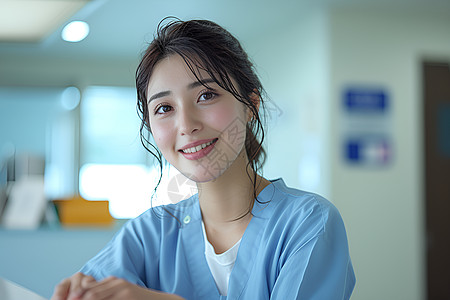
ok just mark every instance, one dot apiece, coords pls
pixel 189 122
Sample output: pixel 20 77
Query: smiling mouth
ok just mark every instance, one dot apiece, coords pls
pixel 199 147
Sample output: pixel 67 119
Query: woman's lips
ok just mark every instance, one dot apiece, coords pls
pixel 200 153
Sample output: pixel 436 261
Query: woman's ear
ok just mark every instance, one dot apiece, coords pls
pixel 255 99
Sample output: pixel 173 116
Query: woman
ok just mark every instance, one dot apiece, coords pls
pixel 241 236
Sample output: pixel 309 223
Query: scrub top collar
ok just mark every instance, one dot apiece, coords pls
pixel 247 253
pixel 261 208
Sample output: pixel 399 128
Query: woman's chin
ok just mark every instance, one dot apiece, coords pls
pixel 201 177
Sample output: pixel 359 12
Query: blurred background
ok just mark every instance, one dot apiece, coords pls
pixel 359 107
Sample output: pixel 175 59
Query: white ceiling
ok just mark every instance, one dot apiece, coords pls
pixel 120 29
pixel 33 20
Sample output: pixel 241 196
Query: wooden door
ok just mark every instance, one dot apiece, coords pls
pixel 437 177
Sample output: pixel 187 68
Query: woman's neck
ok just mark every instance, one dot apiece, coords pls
pixel 226 203
pixel 230 196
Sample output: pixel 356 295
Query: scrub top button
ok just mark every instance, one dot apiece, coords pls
pixel 187 219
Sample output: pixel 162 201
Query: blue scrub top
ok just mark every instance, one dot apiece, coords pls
pixel 295 247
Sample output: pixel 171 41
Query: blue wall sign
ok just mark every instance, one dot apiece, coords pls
pixel 366 127
pixel 365 101
pixel 368 150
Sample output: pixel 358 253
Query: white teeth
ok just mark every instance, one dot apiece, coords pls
pixel 197 148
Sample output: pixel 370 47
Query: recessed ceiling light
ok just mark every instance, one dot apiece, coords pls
pixel 31 21
pixel 75 31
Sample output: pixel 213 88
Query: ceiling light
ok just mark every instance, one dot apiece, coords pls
pixel 31 21
pixel 75 31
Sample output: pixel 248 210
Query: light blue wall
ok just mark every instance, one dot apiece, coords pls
pixel 383 208
pixel 25 116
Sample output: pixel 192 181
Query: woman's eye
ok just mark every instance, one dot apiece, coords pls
pixel 162 109
pixel 206 96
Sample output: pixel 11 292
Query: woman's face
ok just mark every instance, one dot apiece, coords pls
pixel 199 130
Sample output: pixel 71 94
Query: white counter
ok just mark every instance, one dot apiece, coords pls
pixel 12 291
pixel 40 259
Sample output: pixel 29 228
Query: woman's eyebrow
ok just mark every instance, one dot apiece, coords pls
pixel 190 86
pixel 159 95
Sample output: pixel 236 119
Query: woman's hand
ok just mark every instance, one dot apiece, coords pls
pixel 72 287
pixel 83 287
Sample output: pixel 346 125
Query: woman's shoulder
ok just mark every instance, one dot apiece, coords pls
pixel 280 194
pixel 298 217
pixel 299 207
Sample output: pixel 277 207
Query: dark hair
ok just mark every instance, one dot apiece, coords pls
pixel 204 45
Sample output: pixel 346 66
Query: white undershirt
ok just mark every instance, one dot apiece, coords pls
pixel 220 264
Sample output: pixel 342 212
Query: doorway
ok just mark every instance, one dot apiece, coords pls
pixel 437 177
